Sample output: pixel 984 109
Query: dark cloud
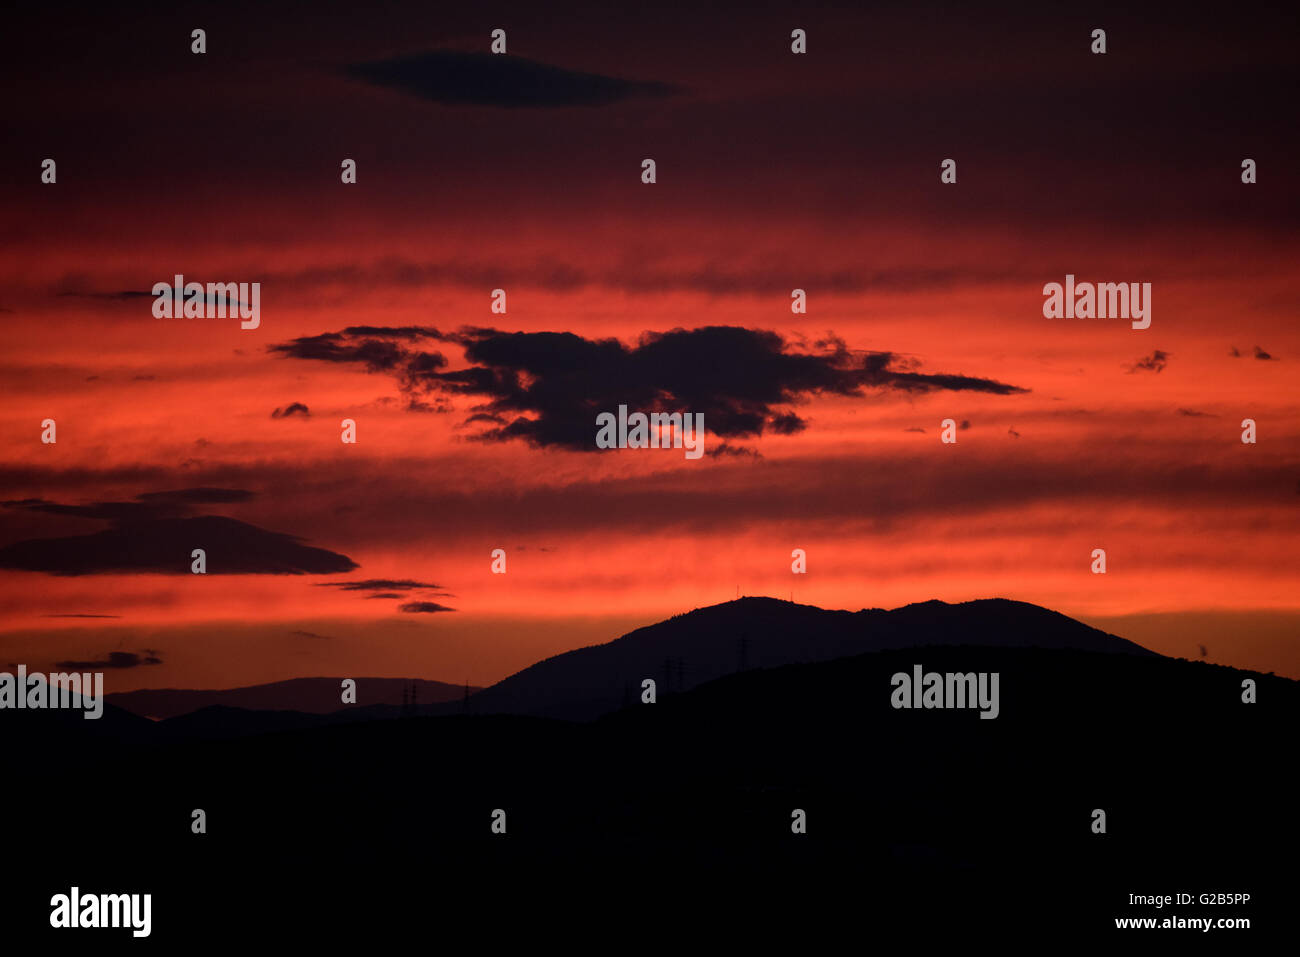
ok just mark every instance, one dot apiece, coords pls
pixel 1197 414
pixel 378 584
pixel 1258 353
pixel 153 534
pixel 148 505
pixel 164 545
pixel 108 511
pixel 732 451
pixel 423 608
pixel 394 332
pixel 311 634
pixel 293 408
pixel 419 405
pixel 375 348
pixel 81 616
pixel 965 424
pixel 914 428
pixel 787 424
pixel 126 295
pixel 1013 433
pixel 486 79
pixel 548 387
pixel 1155 362
pixel 122 294
pixel 115 659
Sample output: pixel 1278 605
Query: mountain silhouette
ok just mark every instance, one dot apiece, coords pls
pixel 690 649
pixel 681 810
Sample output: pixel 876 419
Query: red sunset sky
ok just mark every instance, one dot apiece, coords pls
pixel 775 171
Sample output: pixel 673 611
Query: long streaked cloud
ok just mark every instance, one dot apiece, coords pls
pixel 114 659
pixel 154 533
pixel 80 615
pixel 454 77
pixel 380 584
pixel 422 608
pixel 292 409
pixel 827 486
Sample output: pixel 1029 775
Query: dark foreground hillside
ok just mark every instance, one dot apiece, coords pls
pixel 633 829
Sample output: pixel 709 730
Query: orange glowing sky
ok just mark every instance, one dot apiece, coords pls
pixel 822 177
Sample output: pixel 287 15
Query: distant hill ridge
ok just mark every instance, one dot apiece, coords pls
pixel 307 695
